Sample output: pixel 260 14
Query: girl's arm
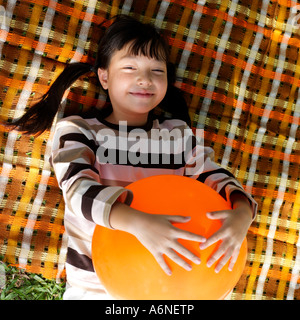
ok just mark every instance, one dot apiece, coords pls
pixel 156 233
pixel 73 159
pixel 235 225
pixel 201 166
pixel 235 222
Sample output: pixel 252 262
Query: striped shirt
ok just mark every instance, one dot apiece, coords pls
pixel 95 160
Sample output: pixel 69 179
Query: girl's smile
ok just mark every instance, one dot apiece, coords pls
pixel 142 94
pixel 135 84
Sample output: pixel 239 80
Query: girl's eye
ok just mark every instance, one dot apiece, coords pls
pixel 129 68
pixel 158 71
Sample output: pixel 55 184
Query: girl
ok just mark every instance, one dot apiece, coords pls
pixel 89 152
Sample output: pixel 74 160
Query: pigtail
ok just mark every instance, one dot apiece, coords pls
pixel 41 115
pixel 174 105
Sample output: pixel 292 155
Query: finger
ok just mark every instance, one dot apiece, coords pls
pixel 178 219
pixel 223 261
pixel 161 261
pixel 187 253
pixel 217 215
pixel 233 259
pixel 211 240
pixel 216 256
pixel 187 235
pixel 183 234
pixel 177 259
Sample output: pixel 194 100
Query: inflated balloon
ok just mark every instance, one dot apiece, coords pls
pixel 129 271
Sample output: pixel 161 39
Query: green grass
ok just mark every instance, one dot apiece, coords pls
pixel 16 284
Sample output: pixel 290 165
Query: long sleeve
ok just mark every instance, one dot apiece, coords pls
pixel 77 172
pixel 211 174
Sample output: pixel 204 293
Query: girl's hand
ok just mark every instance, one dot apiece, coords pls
pixel 235 224
pixel 157 234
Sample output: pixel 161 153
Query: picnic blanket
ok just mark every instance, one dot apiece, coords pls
pixel 238 67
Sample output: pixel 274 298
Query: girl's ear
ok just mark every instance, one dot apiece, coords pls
pixel 103 75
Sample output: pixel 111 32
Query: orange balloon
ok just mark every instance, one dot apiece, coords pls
pixel 129 271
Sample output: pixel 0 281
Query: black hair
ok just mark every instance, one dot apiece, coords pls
pixel 144 39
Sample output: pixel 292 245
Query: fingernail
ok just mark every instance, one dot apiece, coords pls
pixel 198 261
pixel 189 268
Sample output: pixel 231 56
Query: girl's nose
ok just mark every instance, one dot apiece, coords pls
pixel 144 79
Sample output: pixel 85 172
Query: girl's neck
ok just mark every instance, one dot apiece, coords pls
pixel 136 121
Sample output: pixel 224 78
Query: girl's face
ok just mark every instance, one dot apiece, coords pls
pixel 135 84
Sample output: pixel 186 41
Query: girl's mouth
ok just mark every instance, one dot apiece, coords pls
pixel 142 94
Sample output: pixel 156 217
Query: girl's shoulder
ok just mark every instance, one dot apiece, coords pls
pixel 74 121
pixel 88 126
pixel 91 117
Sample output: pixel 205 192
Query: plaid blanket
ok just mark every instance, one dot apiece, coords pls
pixel 237 64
